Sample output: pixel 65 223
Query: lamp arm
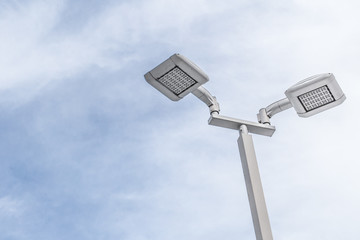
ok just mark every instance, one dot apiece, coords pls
pixel 266 113
pixel 205 96
pixel 278 106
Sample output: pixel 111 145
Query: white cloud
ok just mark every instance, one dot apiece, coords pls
pixel 147 168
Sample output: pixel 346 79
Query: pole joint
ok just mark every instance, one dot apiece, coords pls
pixel 244 129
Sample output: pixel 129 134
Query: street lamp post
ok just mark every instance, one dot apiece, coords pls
pixel 178 76
pixel 253 185
pixel 250 168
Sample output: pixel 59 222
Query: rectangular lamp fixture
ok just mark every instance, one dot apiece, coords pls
pixel 315 94
pixel 176 77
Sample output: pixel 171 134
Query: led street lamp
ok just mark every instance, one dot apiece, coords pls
pixel 308 97
pixel 176 77
pixel 315 94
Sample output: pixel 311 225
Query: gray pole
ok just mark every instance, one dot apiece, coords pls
pixel 253 185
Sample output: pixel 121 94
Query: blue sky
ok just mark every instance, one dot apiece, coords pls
pixel 89 150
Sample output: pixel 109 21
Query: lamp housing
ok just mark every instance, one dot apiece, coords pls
pixel 315 94
pixel 176 77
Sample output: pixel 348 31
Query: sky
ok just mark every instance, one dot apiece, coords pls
pixel 89 150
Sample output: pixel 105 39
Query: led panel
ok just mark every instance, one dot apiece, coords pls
pixel 315 94
pixel 316 98
pixel 176 77
pixel 177 81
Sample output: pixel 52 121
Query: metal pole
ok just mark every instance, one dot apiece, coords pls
pixel 253 185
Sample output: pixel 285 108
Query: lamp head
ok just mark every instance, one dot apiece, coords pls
pixel 176 77
pixel 315 94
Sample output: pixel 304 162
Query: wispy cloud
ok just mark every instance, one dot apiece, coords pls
pixel 90 151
